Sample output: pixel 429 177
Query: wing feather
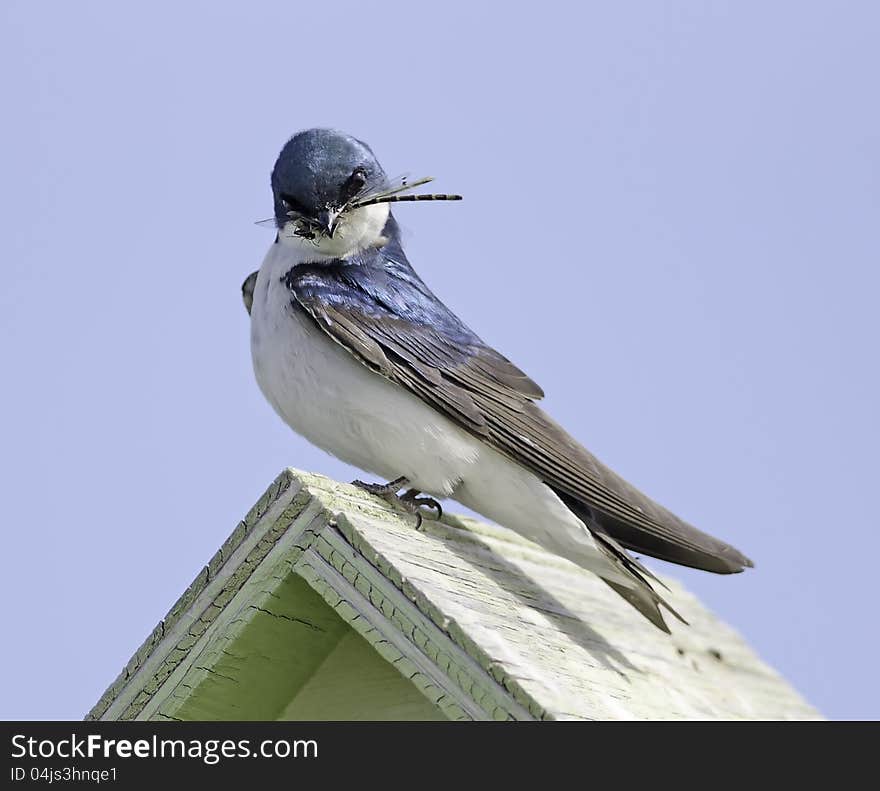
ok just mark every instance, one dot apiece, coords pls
pixel 450 368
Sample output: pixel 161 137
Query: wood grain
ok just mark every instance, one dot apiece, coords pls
pixel 479 622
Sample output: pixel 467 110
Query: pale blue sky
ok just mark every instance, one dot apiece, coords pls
pixel 670 221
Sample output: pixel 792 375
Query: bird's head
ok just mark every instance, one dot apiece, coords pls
pixel 331 194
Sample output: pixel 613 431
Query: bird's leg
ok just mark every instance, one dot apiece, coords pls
pixel 410 500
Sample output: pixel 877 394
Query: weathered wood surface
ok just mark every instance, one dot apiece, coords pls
pixel 483 623
pixel 354 683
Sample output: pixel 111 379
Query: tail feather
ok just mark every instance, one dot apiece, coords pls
pixel 642 596
pixel 642 602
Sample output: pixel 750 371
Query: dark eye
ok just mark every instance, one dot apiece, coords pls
pixel 354 184
pixel 358 177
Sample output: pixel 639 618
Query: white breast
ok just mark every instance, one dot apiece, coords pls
pixel 323 393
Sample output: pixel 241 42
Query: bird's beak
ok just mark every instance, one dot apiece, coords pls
pixel 327 220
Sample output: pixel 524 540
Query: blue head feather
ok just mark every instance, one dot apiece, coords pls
pixel 313 168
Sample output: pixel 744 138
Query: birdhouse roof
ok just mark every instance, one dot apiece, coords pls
pixel 475 622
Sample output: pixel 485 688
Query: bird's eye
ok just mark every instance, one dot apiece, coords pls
pixel 354 184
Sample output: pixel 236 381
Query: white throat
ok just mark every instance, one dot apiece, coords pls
pixel 355 230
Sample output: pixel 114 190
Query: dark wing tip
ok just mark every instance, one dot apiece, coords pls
pixel 734 560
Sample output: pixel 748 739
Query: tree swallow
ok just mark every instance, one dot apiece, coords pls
pixel 355 353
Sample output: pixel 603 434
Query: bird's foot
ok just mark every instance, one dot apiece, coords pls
pixel 410 501
pixel 413 501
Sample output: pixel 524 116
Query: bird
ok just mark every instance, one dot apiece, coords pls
pixel 356 354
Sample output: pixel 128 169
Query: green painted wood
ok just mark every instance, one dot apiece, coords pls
pixel 192 614
pixel 326 603
pixel 200 667
pixel 558 640
pixel 285 640
pixel 355 683
pixel 405 638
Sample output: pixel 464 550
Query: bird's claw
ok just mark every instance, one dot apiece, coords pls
pixel 411 500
